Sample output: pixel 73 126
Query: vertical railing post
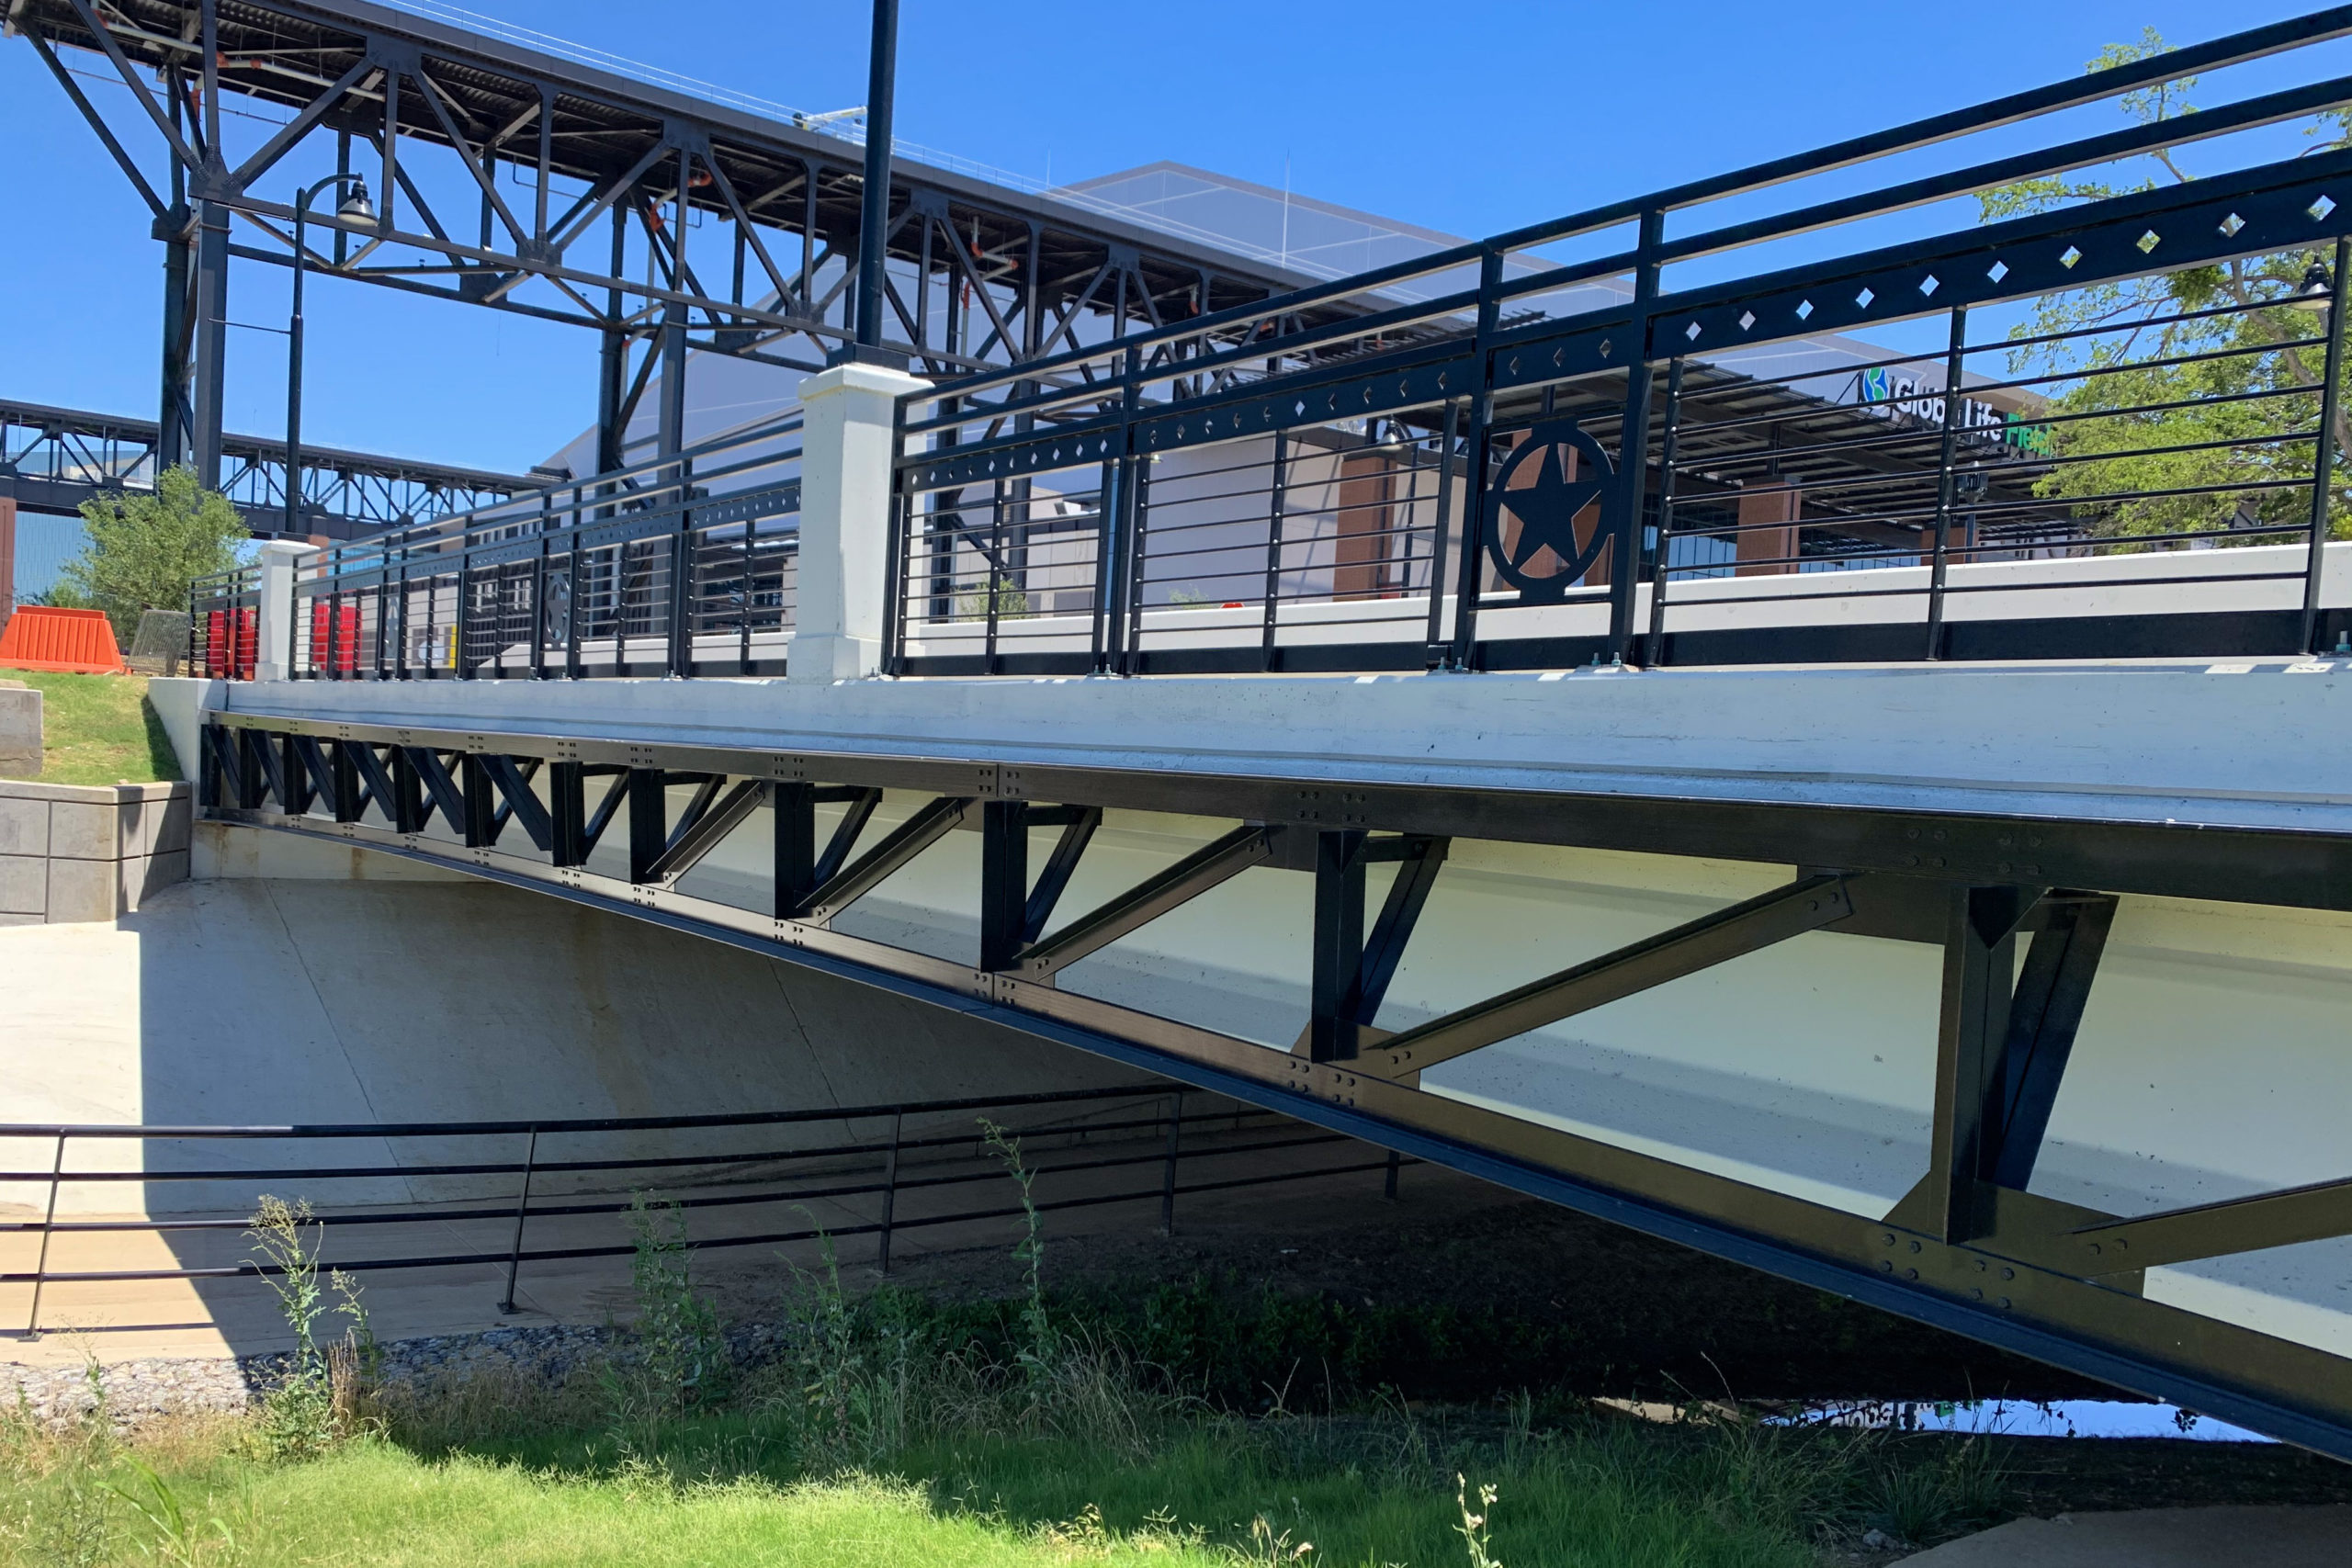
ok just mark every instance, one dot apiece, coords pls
pixel 997 579
pixel 1274 546
pixel 522 1208
pixel 1954 363
pixel 47 1226
pixel 1634 446
pixel 1463 654
pixel 1388 1182
pixel 1168 1167
pixel 1439 546
pixel 2324 455
pixel 890 1186
pixel 743 608
pixel 1654 651
pixel 461 613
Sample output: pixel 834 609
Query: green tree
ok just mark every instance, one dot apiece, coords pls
pixel 2184 400
pixel 146 548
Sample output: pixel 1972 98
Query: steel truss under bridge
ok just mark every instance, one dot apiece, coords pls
pixel 1969 1250
pixel 54 460
pixel 527 182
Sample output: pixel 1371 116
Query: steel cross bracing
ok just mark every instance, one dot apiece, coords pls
pixel 520 181
pixel 55 459
pixel 1969 1249
pixel 1457 358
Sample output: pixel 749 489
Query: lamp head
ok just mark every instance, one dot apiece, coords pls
pixel 354 204
pixel 2317 291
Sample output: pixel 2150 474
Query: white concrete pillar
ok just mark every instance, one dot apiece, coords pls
pixel 848 425
pixel 274 646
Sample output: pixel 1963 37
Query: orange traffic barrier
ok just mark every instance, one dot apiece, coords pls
pixel 78 642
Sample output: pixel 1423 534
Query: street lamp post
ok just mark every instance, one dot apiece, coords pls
pixel 882 70
pixel 355 205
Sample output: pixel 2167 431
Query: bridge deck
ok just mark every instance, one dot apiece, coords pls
pixel 2242 743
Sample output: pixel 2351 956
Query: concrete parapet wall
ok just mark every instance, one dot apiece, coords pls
pixel 74 853
pixel 21 731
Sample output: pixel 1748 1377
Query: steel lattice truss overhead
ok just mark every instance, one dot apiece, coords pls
pixel 55 459
pixel 512 179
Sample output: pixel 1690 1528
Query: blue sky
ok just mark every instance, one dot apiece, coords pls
pixel 1468 117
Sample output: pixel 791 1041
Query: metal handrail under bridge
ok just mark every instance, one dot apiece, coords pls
pixel 903 1153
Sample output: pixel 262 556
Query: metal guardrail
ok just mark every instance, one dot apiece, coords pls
pixel 681 565
pixel 1638 432
pixel 730 1179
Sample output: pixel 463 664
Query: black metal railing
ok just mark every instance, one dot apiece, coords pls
pixel 2103 421
pixel 896 1167
pixel 679 565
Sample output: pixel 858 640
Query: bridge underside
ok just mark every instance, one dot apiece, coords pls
pixel 1709 978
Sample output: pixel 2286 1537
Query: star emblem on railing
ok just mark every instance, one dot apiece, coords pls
pixel 1547 487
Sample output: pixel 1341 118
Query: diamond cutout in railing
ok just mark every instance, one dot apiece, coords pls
pixel 1746 319
pixel 1997 271
pixel 1440 381
pixel 2320 209
pixel 1865 297
pixel 1607 348
pixel 1805 310
pixel 1298 409
pixel 2230 225
pixel 1691 332
pixel 2068 258
pixel 2148 242
pixel 1930 284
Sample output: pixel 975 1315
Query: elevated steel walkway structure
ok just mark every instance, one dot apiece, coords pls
pixel 54 460
pixel 1863 837
pixel 520 181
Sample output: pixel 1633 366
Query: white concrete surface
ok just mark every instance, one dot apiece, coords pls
pixel 322 999
pixel 2159 1537
pixel 179 702
pixel 2256 741
pixel 849 424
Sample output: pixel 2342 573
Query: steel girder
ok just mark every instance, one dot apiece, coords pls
pixel 1968 1250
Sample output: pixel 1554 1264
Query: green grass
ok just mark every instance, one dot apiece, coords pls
pixel 98 729
pixel 881 1429
pixel 727 1490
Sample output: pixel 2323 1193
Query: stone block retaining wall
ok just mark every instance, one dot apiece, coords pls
pixel 88 852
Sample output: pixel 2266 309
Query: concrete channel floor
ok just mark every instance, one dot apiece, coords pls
pixel 2159 1537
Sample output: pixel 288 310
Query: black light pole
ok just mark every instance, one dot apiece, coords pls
pixel 353 206
pixel 875 220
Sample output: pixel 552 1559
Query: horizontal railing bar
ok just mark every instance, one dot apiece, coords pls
pixel 262 1271
pixel 554 1124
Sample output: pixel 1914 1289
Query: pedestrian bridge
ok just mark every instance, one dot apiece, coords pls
pixel 1714 726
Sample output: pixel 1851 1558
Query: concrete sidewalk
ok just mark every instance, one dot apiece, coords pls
pixel 2159 1537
